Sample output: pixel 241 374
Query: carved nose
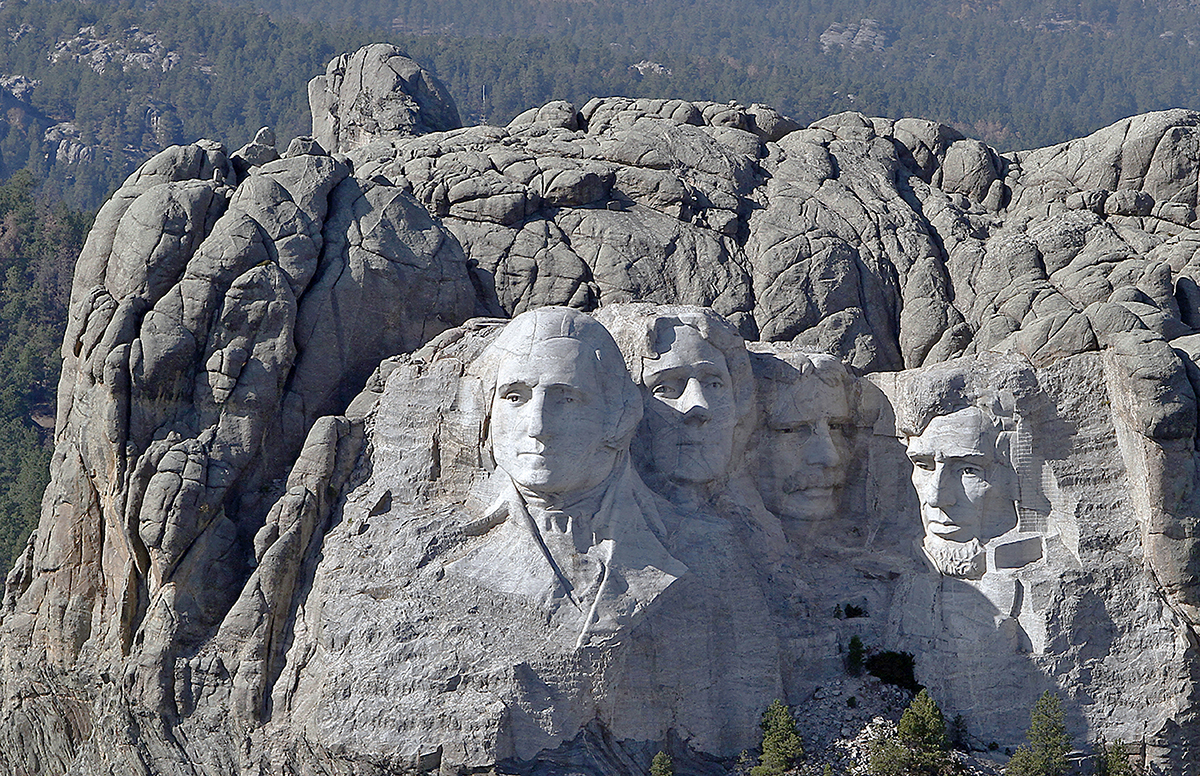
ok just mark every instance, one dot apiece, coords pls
pixel 694 404
pixel 939 491
pixel 535 420
pixel 821 449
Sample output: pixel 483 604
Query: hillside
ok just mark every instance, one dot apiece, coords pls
pixel 92 89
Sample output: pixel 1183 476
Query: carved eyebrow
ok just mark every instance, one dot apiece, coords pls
pixel 505 387
pixel 963 454
pixel 668 373
pixel 701 367
pixel 971 457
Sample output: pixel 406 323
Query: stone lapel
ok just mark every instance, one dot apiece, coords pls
pixel 595 566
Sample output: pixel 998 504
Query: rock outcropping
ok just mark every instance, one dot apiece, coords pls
pixel 270 453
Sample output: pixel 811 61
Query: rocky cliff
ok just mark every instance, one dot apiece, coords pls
pixel 268 464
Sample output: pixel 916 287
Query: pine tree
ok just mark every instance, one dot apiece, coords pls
pixel 661 765
pixel 1046 752
pixel 854 656
pixel 919 746
pixel 781 745
pixel 1113 759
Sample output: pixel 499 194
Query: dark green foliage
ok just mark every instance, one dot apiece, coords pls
pixel 661 765
pixel 1046 752
pixel 855 611
pixel 854 656
pixel 38 245
pixel 1113 759
pixel 895 668
pixel 1017 72
pixel 919 747
pixel 998 72
pixel 956 731
pixel 781 745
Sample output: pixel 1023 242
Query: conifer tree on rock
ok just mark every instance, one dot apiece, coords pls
pixel 781 745
pixel 661 765
pixel 919 746
pixel 1046 752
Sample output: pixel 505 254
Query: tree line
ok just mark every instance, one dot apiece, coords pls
pixel 1017 73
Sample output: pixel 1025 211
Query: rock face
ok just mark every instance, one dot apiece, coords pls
pixel 296 522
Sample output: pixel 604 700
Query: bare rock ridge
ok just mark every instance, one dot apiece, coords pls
pixel 292 527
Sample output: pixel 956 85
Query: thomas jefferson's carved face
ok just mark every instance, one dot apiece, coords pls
pixel 690 411
pixel 548 423
pixel 953 461
pixel 802 457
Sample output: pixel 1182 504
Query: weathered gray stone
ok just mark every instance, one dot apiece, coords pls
pixel 374 93
pixel 267 543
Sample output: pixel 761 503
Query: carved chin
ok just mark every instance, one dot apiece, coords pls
pixel 956 559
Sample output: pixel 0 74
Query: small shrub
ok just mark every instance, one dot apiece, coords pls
pixel 1113 759
pixel 855 611
pixel 852 702
pixel 919 746
pixel 895 668
pixel 661 765
pixel 854 656
pixel 957 733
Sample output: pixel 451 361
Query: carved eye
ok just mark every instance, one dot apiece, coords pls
pixel 665 391
pixel 800 431
pixel 972 471
pixel 512 397
pixel 925 464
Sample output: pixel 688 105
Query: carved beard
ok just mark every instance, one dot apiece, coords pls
pixel 956 559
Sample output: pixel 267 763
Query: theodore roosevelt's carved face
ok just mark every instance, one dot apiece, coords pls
pixel 953 469
pixel 690 409
pixel 803 451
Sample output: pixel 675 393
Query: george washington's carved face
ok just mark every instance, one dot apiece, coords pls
pixel 548 421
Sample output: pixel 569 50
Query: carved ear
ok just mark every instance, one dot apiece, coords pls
pixel 479 391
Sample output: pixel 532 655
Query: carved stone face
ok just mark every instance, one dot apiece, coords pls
pixel 690 411
pixel 548 422
pixel 802 455
pixel 953 461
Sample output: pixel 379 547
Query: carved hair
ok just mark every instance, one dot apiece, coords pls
pixel 622 399
pixel 779 372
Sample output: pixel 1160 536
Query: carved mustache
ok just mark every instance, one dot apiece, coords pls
pixel 819 479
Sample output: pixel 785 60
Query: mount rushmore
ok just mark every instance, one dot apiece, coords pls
pixel 539 449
